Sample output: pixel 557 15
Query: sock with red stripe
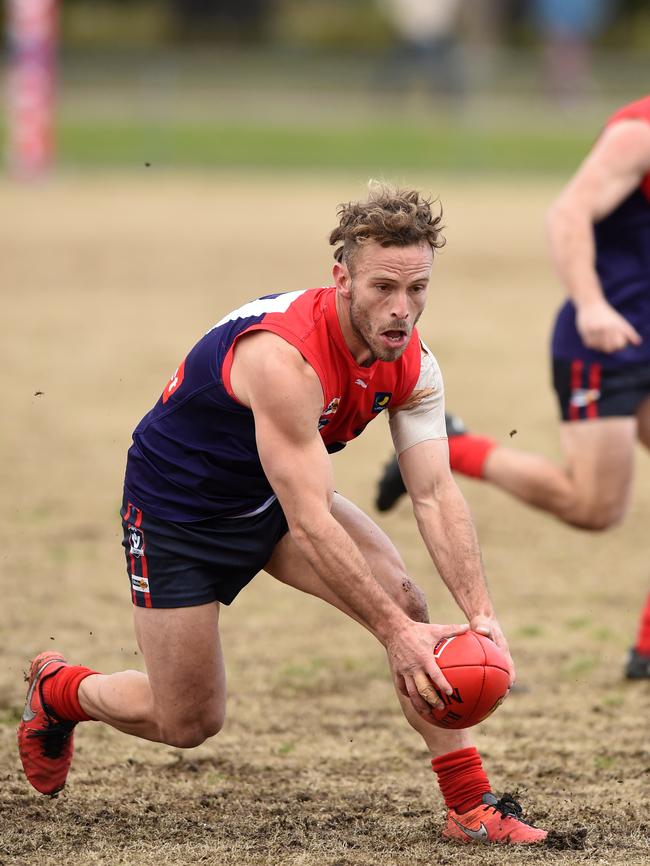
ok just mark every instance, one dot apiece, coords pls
pixel 461 778
pixel 642 645
pixel 467 453
pixel 60 692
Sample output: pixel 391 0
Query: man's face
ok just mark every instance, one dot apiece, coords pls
pixel 386 291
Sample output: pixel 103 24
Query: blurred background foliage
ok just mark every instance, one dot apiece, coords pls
pixel 320 84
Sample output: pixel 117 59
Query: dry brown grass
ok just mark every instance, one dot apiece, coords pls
pixel 106 283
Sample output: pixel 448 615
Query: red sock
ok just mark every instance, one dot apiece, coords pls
pixel 461 778
pixel 642 644
pixel 60 692
pixel 467 453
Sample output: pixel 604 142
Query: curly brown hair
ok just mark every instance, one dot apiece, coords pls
pixel 390 216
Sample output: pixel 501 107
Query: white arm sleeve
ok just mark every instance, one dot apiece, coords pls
pixel 425 418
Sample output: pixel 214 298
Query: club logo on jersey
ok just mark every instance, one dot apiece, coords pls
pixel 582 397
pixel 136 541
pixel 331 409
pixel 140 584
pixel 381 401
pixel 174 383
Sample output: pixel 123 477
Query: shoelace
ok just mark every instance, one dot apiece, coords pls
pixel 54 737
pixel 507 806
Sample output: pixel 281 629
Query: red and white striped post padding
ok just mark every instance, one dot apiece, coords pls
pixel 32 30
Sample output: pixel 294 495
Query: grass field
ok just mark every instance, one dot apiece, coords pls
pixel 107 280
pixel 377 145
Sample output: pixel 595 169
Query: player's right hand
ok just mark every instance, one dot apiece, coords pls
pixel 489 626
pixel 602 328
pixel 416 674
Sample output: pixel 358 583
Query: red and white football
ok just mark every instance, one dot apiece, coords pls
pixel 477 671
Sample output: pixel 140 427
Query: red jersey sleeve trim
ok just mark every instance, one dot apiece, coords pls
pixel 287 335
pixel 639 110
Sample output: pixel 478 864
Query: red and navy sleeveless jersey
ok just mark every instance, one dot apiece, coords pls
pixel 194 455
pixel 623 264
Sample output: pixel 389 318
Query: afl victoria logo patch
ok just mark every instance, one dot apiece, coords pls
pixel 136 541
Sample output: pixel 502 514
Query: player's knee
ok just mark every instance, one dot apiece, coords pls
pixel 412 601
pixel 191 732
pixel 602 520
pixel 597 516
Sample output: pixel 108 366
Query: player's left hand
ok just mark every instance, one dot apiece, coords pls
pixel 490 627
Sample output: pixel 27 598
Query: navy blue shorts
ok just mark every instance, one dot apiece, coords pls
pixel 588 390
pixel 185 564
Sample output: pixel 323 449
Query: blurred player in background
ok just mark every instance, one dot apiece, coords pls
pixel 599 231
pixel 568 29
pixel 229 474
pixel 427 50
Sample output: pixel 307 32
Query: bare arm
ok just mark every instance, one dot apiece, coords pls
pixel 420 439
pixel 446 525
pixel 285 396
pixel 444 521
pixel 613 169
pixel 448 531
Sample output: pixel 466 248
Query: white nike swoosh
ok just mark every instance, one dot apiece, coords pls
pixel 28 712
pixel 480 835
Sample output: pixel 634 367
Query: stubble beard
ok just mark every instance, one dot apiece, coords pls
pixel 362 328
